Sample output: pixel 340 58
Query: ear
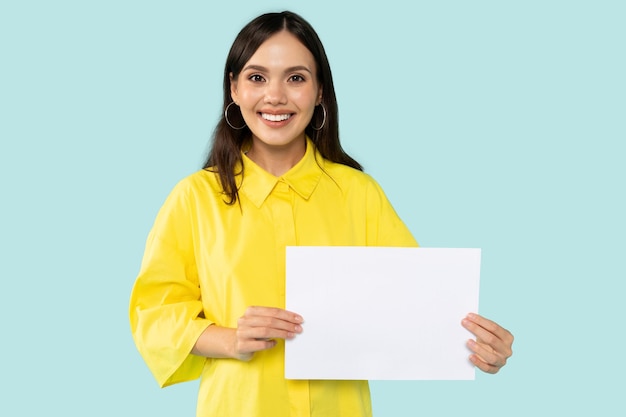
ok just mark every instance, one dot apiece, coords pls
pixel 233 88
pixel 319 96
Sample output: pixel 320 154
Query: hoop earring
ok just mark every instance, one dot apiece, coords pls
pixel 228 121
pixel 323 121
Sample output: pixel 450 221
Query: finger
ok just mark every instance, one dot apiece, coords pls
pixel 270 324
pixel 246 348
pixel 482 365
pixel 489 338
pixel 264 333
pixel 491 326
pixel 487 354
pixel 484 335
pixel 274 312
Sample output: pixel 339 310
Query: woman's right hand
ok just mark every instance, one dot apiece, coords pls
pixel 259 328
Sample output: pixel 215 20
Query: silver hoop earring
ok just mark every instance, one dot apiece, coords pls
pixel 228 121
pixel 323 121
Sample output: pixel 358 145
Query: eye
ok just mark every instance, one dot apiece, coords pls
pixel 296 78
pixel 256 78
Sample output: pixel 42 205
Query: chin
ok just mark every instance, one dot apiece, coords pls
pixel 279 141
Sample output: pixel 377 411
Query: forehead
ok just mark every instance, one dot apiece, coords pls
pixel 282 50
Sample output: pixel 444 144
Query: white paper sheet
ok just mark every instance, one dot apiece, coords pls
pixel 380 313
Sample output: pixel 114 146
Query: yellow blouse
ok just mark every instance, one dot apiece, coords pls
pixel 205 262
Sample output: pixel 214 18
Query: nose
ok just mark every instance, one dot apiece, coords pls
pixel 275 93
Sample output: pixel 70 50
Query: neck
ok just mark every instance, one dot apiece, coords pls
pixel 276 159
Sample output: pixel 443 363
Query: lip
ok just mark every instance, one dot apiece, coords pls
pixel 281 117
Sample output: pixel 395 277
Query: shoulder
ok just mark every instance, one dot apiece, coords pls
pixel 201 181
pixel 345 174
pixel 202 185
pixel 356 185
pixel 348 178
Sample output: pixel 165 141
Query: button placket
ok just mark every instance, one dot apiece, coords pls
pixel 282 206
pixel 284 224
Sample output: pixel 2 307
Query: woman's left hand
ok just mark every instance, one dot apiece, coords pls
pixel 493 344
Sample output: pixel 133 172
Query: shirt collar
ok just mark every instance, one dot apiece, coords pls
pixel 257 184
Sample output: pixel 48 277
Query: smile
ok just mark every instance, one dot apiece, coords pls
pixel 275 117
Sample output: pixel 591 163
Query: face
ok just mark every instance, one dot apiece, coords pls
pixel 277 92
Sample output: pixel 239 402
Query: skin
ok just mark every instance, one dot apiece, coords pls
pixel 257 330
pixel 278 80
pixel 493 344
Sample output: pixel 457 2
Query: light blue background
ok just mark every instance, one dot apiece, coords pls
pixel 490 124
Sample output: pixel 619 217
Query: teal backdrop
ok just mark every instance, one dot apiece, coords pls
pixel 491 124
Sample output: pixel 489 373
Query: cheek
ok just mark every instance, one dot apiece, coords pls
pixel 249 96
pixel 305 100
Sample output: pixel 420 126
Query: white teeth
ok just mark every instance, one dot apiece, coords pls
pixel 275 117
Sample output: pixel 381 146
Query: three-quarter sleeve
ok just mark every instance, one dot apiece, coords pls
pixel 384 226
pixel 166 313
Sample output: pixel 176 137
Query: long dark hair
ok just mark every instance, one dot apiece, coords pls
pixel 225 154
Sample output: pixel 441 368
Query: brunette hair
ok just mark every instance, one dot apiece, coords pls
pixel 225 154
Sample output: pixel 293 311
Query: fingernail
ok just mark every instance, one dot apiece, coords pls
pixel 471 315
pixel 471 343
pixel 299 319
pixel 298 329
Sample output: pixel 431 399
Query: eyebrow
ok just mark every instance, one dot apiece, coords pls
pixel 290 69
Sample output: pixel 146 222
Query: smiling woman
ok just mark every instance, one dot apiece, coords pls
pixel 275 36
pixel 277 92
pixel 209 300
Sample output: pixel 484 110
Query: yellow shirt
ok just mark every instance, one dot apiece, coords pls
pixel 205 262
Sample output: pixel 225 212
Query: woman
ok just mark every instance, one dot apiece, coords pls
pixel 209 299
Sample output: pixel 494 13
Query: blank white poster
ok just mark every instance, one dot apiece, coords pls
pixel 380 313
